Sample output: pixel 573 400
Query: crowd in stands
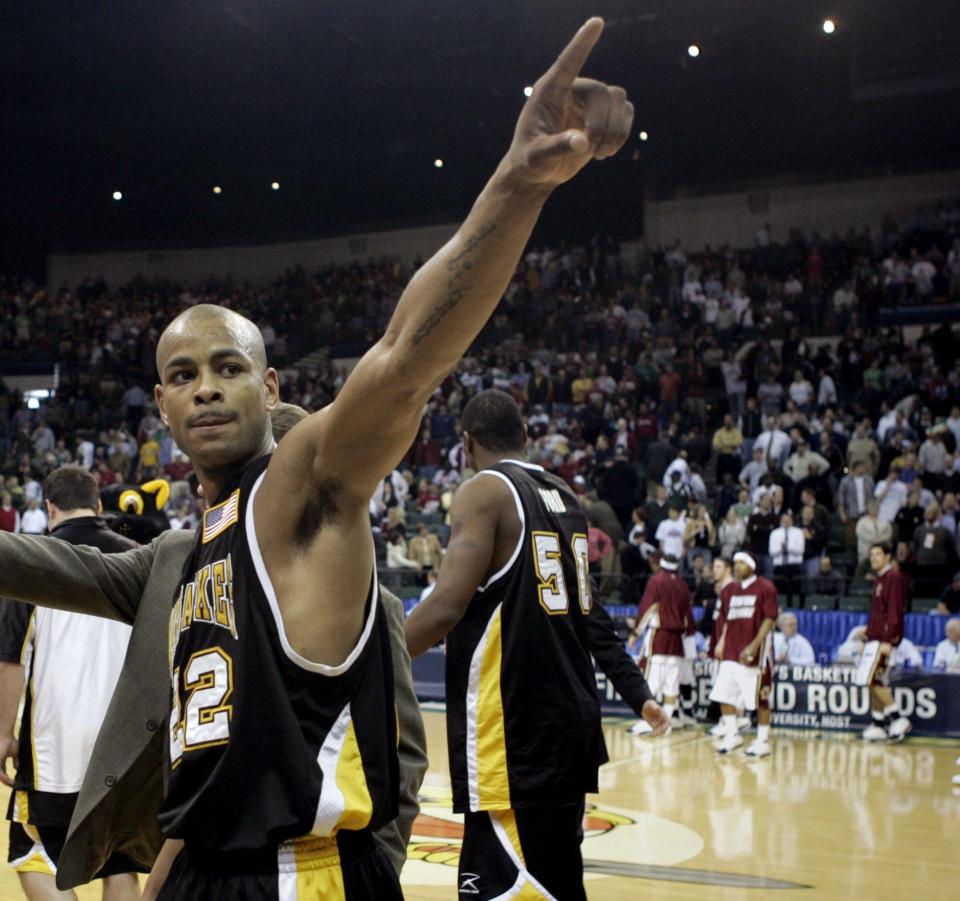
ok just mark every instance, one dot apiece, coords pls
pixel 699 402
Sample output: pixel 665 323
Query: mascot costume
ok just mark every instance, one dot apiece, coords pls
pixel 136 511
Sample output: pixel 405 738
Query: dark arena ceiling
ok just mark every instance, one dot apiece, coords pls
pixel 347 105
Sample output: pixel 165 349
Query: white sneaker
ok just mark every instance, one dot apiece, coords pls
pixel 958 761
pixel 758 748
pixel 899 728
pixel 729 743
pixel 640 728
pixel 744 722
pixel 956 779
pixel 873 732
pixel 718 731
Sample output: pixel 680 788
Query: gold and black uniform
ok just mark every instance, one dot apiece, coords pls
pixel 523 717
pixel 279 769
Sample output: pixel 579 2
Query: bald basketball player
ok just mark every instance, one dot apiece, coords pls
pixel 281 753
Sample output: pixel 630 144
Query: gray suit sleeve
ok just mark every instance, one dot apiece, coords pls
pixel 412 747
pixel 46 571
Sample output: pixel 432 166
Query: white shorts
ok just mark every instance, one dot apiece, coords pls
pixel 873 668
pixel 736 685
pixel 689 655
pixel 663 676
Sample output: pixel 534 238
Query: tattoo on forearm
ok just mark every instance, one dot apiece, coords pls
pixel 458 267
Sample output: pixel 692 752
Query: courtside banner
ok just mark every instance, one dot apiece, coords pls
pixel 805 697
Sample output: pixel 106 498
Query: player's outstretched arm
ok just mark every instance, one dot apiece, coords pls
pixel 474 515
pixel 567 122
pixel 49 572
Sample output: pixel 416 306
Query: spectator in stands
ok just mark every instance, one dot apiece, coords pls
pixel 751 425
pixel 826 390
pixel 801 462
pixel 699 534
pixel 891 493
pixel 950 599
pixel 670 533
pixel 770 396
pixel 827 581
pixel 727 444
pixel 871 529
pixel 426 455
pixel 854 494
pixel 600 550
pixel 788 645
pixel 731 534
pixel 934 552
pixel 760 526
pixel 947 655
pixel 9 516
pixel 801 391
pixel 604 517
pixel 397 557
pixel 932 457
pixel 735 386
pixel 815 540
pixel 785 547
pixel 657 509
pixel 744 506
pixel 425 548
pixel 616 484
pixel 754 471
pixel 863 447
pixel 34 520
pixel 909 518
pixel 774 443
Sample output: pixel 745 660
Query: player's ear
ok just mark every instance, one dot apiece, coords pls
pixel 158 397
pixel 271 387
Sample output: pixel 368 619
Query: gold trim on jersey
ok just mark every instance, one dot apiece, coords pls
pixel 344 801
pixel 27 646
pixel 488 781
pixel 310 867
pixel 216 520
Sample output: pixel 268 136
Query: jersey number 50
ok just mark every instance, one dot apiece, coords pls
pixel 548 562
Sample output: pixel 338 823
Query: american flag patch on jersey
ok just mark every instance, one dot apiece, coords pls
pixel 218 519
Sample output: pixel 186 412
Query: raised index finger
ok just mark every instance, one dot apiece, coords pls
pixel 568 64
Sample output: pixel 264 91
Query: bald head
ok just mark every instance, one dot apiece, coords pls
pixel 235 331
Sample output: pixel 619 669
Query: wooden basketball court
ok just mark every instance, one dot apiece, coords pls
pixel 823 818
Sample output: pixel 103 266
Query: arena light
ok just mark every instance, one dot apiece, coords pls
pixel 644 136
pixel 829 26
pixel 275 185
pixel 217 189
pixel 438 163
pixel 118 195
pixel 693 50
pixel 528 91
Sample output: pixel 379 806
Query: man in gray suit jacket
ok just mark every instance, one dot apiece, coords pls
pixel 123 787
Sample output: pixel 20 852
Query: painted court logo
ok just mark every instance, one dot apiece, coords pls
pixel 618 842
pixel 434 849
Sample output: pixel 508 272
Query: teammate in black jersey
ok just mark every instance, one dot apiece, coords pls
pixel 281 690
pixel 523 718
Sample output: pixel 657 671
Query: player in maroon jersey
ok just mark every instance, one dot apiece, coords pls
pixel 749 609
pixel 665 607
pixel 882 633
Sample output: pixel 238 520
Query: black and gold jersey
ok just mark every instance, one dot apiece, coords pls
pixel 264 745
pixel 523 718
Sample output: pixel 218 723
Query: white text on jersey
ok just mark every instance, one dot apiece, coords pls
pixel 551 497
